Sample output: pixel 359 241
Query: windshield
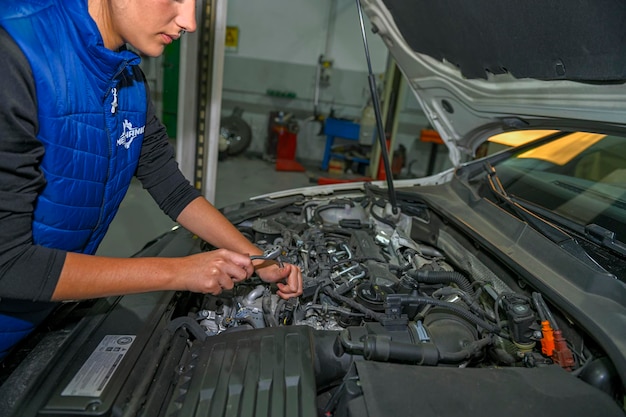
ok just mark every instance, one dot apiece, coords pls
pixel 580 176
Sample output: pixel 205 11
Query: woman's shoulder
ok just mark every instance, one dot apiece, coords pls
pixel 13 57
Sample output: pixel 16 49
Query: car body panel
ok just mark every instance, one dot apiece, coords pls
pixel 443 49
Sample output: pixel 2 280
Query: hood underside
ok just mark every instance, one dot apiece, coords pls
pixel 478 67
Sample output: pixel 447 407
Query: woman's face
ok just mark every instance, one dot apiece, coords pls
pixel 147 25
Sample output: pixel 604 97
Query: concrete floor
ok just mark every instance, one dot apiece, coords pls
pixel 140 220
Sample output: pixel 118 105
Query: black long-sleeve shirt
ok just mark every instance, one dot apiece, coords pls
pixel 29 271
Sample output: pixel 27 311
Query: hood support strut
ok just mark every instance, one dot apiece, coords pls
pixel 379 122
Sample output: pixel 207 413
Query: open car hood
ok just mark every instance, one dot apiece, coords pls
pixel 483 67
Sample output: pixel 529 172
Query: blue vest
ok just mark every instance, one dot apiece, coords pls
pixel 91 105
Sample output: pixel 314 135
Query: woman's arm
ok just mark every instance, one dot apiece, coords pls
pixel 27 271
pixel 201 218
pixel 159 174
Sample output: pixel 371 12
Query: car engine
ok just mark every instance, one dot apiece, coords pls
pixel 403 312
pixel 385 288
pixel 359 266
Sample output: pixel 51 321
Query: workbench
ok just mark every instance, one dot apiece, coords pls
pixel 343 129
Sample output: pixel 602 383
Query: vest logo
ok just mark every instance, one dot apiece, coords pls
pixel 129 133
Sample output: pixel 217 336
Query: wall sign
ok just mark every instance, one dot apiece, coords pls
pixel 232 38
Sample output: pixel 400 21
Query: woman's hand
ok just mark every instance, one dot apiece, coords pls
pixel 288 279
pixel 202 218
pixel 215 271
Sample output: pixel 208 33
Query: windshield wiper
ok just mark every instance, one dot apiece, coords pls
pixel 605 238
pixel 595 233
pixel 551 231
pixel 536 218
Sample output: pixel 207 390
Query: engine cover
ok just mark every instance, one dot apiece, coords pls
pixel 265 372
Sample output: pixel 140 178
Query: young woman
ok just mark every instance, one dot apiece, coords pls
pixel 76 123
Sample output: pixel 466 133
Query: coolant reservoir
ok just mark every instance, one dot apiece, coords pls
pixel 336 211
pixel 368 125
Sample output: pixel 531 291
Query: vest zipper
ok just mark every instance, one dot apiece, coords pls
pixel 114 102
pixel 114 106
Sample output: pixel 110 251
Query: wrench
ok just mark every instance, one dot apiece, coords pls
pixel 272 254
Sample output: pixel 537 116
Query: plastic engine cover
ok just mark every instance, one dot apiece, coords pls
pixel 265 372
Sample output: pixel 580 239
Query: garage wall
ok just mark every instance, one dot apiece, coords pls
pixel 296 32
pixel 280 42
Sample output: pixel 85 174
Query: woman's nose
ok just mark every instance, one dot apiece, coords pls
pixel 186 18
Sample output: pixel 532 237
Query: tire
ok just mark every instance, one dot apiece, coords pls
pixel 238 132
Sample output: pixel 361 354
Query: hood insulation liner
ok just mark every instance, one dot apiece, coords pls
pixel 553 40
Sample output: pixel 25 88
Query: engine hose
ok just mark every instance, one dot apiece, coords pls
pixel 266 304
pixel 466 353
pixel 325 308
pixel 416 299
pixel 381 219
pixel 471 303
pixel 443 277
pixel 253 295
pixel 355 305
pixel 316 213
pixel 430 251
pixel 382 349
pixel 411 299
pixel 360 259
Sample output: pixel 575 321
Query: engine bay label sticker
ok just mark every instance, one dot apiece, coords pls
pixel 97 371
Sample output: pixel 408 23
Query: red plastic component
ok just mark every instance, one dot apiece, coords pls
pixel 547 342
pixel 562 354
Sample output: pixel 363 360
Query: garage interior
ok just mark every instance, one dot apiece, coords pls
pixel 497 286
pixel 275 74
